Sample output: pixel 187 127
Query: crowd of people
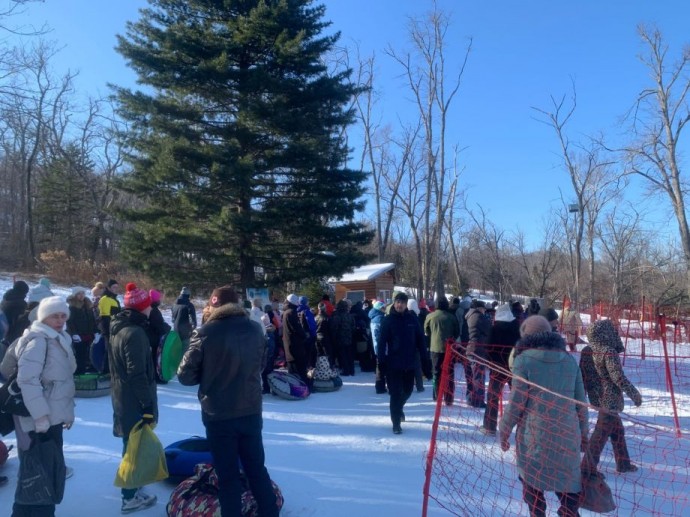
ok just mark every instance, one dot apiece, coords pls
pixel 230 355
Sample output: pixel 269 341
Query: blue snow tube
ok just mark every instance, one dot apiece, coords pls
pixel 181 457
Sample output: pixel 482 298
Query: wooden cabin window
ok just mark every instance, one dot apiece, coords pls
pixel 355 296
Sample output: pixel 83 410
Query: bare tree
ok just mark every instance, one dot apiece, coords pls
pixel 454 227
pixel 376 154
pixel 661 275
pixel 425 72
pixel 406 179
pixel 658 120
pixel 537 267
pixel 32 98
pixel 591 179
pixel 92 132
pixel 619 235
pixel 488 243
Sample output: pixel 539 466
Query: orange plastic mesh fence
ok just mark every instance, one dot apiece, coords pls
pixel 468 473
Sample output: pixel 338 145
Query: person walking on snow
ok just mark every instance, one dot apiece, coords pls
pixel 547 404
pixel 605 383
pixel 400 340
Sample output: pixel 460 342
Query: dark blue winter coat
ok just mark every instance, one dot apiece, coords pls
pixel 401 337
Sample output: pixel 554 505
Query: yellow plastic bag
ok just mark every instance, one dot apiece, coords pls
pixel 144 459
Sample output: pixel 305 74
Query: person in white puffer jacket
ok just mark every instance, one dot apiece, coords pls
pixel 45 370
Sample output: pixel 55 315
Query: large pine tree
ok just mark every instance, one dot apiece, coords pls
pixel 235 144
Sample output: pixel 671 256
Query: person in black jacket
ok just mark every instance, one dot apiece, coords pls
pixel 225 359
pixel 108 306
pixel 155 331
pixel 295 340
pixel 502 338
pixel 14 305
pixel 478 325
pixel 133 379
pixel 81 326
pixel 184 316
pixel 323 333
pixel 400 339
pixel 342 338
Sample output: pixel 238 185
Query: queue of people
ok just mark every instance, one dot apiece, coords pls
pixel 521 349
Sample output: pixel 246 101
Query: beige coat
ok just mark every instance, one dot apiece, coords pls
pixel 45 375
pixel 571 324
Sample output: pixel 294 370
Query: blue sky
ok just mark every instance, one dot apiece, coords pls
pixel 523 52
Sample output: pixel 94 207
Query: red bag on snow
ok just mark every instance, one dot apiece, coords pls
pixel 198 496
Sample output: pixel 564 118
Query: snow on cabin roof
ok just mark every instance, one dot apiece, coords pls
pixel 365 273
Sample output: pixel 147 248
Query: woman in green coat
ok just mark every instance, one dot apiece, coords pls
pixel 551 421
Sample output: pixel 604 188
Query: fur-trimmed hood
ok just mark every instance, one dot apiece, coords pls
pixel 72 301
pixel 227 311
pixel 540 341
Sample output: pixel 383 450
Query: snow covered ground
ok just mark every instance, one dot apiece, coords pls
pixel 334 454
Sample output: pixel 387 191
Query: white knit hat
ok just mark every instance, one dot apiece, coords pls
pixel 293 299
pixel 52 305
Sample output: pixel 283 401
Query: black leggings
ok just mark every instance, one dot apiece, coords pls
pixel 570 502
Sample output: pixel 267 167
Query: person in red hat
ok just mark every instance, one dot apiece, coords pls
pixel 133 379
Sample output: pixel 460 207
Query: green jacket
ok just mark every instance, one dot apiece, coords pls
pixel 441 325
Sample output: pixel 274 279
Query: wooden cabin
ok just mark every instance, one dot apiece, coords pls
pixel 370 282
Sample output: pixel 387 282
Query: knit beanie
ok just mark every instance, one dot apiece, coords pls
pixel 51 305
pixel 533 325
pixel 185 291
pixel 400 297
pixel 21 287
pixel 135 298
pixel 112 282
pixel 292 299
pixel 222 295
pixel 379 305
pixel 44 281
